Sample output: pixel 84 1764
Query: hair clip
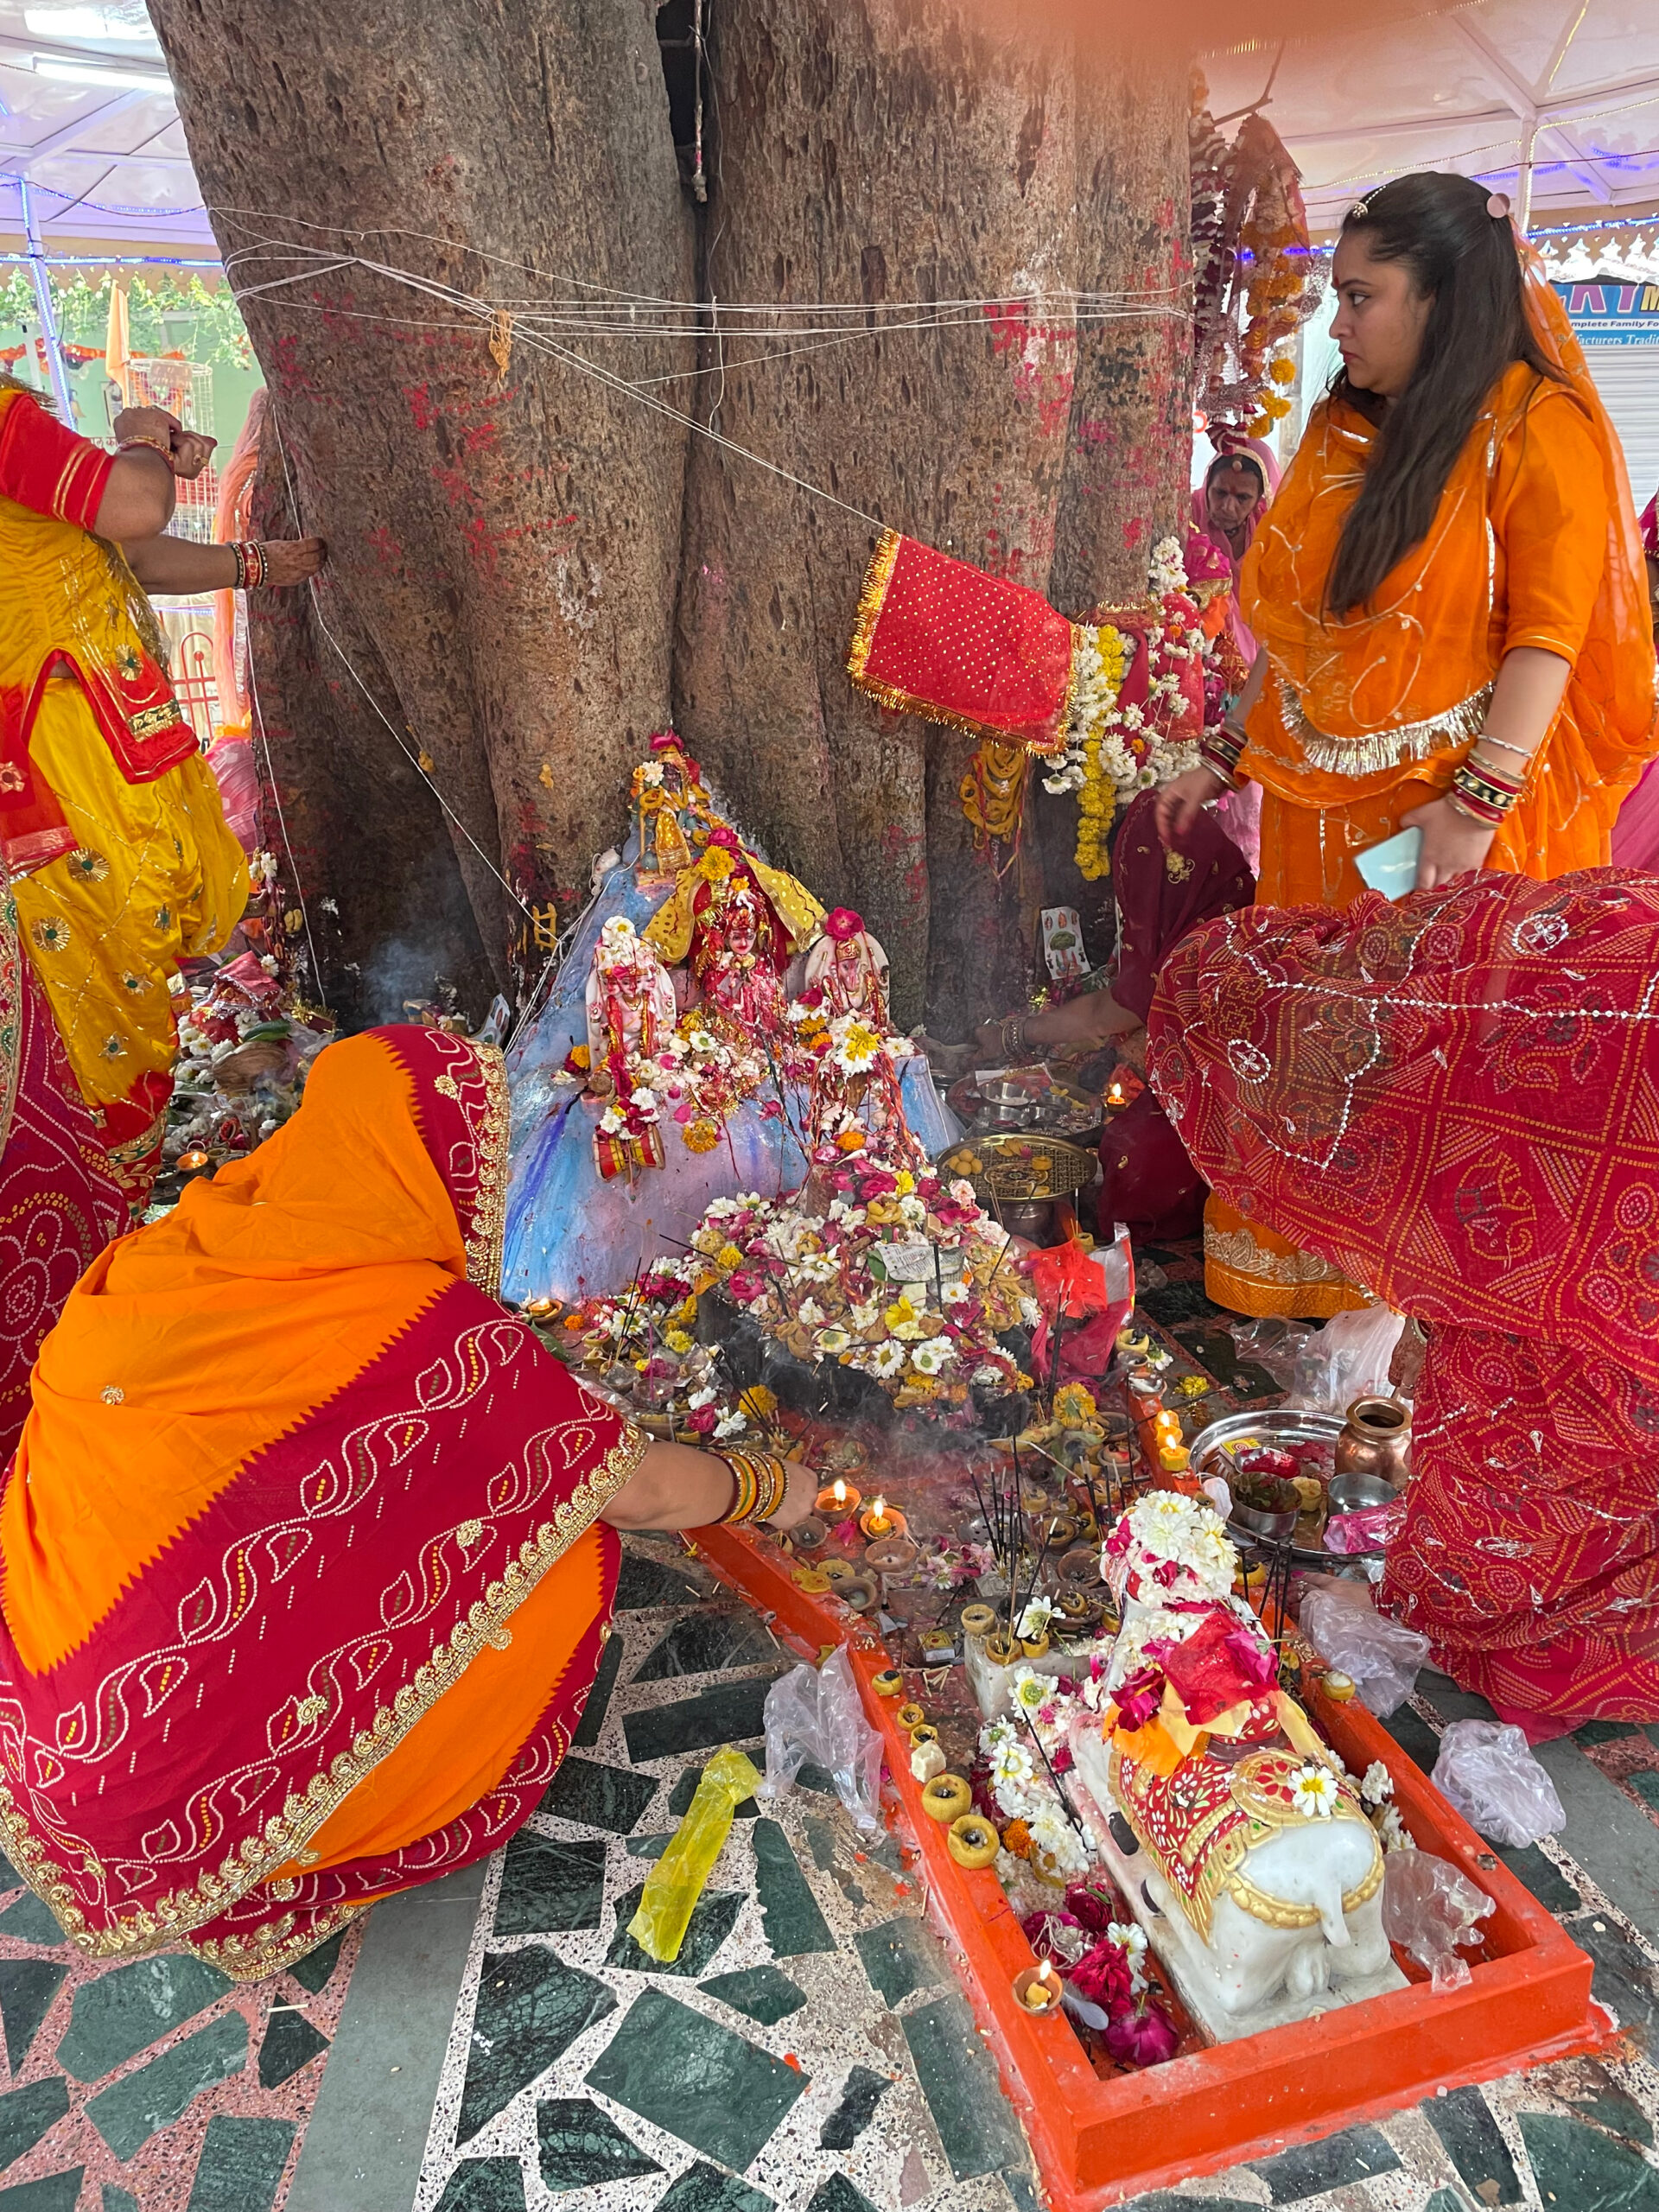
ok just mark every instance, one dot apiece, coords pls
pixel 1357 211
pixel 1498 206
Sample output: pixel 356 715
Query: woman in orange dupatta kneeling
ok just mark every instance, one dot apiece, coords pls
pixel 1450 598
pixel 309 1547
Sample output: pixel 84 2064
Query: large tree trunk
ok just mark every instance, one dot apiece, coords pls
pixel 509 544
pixel 531 559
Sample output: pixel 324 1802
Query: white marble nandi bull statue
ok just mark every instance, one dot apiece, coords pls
pixel 1244 1850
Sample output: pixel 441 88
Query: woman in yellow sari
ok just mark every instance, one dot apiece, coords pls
pixel 309 1549
pixel 1449 594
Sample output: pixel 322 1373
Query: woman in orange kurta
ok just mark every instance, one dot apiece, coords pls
pixel 307 1549
pixel 1448 592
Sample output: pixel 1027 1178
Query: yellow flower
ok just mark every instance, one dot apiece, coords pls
pixel 905 1181
pixel 581 1056
pixel 701 1136
pixel 900 1312
pixel 1283 371
pixel 717 863
pixel 677 1341
pixel 729 1256
pixel 1074 1405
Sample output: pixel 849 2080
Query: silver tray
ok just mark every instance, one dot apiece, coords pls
pixel 1275 1429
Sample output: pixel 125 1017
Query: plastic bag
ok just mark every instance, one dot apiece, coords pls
pixel 1429 1909
pixel 676 1882
pixel 813 1713
pixel 1087 1296
pixel 1348 1633
pixel 1348 1358
pixel 1487 1772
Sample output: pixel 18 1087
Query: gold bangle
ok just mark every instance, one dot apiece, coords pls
pixel 155 445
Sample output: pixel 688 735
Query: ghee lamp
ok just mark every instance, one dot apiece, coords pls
pixel 1036 1989
pixel 883 1520
pixel 837 1499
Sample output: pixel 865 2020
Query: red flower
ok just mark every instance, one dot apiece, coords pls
pixel 1142 2036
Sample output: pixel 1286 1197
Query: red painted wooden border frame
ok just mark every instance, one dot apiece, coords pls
pixel 1099 2141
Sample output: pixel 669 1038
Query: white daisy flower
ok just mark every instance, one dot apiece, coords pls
pixel 886 1360
pixel 1313 1791
pixel 730 1424
pixel 932 1357
pixel 1376 1784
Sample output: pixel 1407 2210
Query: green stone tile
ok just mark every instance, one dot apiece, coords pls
pixel 598 1796
pixel 679 1801
pixel 759 1992
pixel 1414 1736
pixel 713 1918
pixel 1605 1731
pixel 115 2016
pixel 119 2199
pixel 1447 2200
pixel 1338 2162
pixel 531 2007
pixel 548 1885
pixel 586 1734
pixel 714 2090
pixel 1463 2120
pixel 1580 2170
pixel 485 2185
pixel 240 2165
pixel 644 1581
pixel 316 1970
pixel 1543 1877
pixel 31 1921
pixel 959 2079
pixel 862 2091
pixel 289 2042
pixel 27 2113
pixel 727 1714
pixel 648 1846
pixel 10 1877
pixel 582 2147
pixel 793 1924
pixel 1165 2200
pixel 129 2111
pixel 1644 1784
pixel 701 2189
pixel 27 1989
pixel 54 2193
pixel 899 1958
pixel 836 2194
pixel 707 1643
pixel 1623 1978
pixel 1610 2108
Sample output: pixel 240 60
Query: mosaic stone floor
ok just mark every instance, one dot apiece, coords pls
pixel 808 2051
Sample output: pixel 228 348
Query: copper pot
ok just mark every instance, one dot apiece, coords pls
pixel 1377 1441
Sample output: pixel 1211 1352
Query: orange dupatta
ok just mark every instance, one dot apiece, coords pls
pixel 285 1428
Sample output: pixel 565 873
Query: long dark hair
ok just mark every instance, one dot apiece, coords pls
pixel 1467 259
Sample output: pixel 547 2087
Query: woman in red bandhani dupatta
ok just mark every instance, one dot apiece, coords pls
pixel 59 1203
pixel 1456 1100
pixel 309 1547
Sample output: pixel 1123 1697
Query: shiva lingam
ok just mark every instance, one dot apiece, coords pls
pixel 1253 1869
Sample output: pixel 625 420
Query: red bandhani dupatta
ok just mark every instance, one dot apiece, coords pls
pixel 205 1650
pixel 59 1203
pixel 1455 1100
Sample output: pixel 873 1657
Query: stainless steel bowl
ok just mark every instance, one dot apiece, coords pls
pixel 1272 1527
pixel 1354 1493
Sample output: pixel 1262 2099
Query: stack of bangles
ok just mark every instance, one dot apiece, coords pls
pixel 1485 794
pixel 762 1480
pixel 1219 752
pixel 1012 1031
pixel 250 566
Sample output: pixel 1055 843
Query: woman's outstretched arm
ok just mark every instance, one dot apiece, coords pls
pixel 677 1487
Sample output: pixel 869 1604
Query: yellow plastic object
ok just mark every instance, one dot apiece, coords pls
pixel 676 1882
pixel 946 1797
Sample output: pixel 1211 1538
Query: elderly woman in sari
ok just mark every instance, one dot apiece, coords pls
pixel 1451 601
pixel 1455 1101
pixel 282 1634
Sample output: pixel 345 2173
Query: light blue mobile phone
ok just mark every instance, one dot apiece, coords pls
pixel 1391 866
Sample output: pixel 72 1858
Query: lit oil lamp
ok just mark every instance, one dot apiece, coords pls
pixel 883 1520
pixel 540 1309
pixel 1036 1989
pixel 193 1162
pixel 1116 1102
pixel 837 1499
